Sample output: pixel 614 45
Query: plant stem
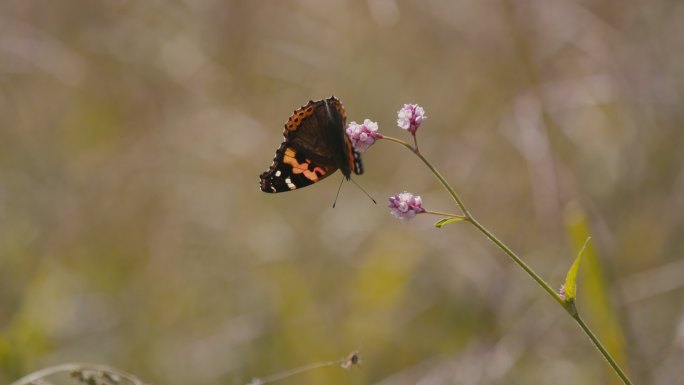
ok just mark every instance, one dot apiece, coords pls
pixel 439 176
pixel 602 349
pixel 444 214
pixel 568 306
pixel 517 260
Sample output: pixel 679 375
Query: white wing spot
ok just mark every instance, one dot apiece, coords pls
pixel 290 184
pixel 278 173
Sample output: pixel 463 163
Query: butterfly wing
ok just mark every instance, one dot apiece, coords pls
pixel 315 146
pixel 317 130
pixel 291 170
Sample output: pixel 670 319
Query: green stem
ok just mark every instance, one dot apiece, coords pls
pixel 568 306
pixel 439 176
pixel 517 260
pixel 602 349
pixel 444 214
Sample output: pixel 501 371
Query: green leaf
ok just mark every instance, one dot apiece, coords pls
pixel 446 221
pixel 570 286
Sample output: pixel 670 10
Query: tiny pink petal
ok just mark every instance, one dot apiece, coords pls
pixel 363 135
pixel 405 205
pixel 410 117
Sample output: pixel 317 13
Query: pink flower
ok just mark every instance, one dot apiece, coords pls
pixel 405 205
pixel 561 292
pixel 363 135
pixel 410 117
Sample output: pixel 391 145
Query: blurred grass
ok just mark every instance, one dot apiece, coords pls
pixel 132 231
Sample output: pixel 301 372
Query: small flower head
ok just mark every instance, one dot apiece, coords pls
pixel 405 205
pixel 352 359
pixel 363 135
pixel 410 117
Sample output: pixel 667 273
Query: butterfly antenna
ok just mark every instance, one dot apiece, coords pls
pixel 338 192
pixel 364 191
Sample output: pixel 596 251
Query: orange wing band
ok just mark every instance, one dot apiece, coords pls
pixel 302 168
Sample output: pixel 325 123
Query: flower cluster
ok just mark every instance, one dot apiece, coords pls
pixel 410 117
pixel 363 135
pixel 405 205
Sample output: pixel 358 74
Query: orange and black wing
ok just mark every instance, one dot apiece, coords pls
pixel 315 146
pixel 291 170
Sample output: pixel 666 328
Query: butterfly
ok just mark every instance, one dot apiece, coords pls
pixel 315 146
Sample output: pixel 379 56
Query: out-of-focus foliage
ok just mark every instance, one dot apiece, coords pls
pixel 133 232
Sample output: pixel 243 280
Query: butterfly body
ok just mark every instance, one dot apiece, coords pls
pixel 315 146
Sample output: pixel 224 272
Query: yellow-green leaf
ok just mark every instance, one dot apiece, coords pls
pixel 446 221
pixel 570 286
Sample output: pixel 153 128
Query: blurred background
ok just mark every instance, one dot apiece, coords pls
pixel 133 232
